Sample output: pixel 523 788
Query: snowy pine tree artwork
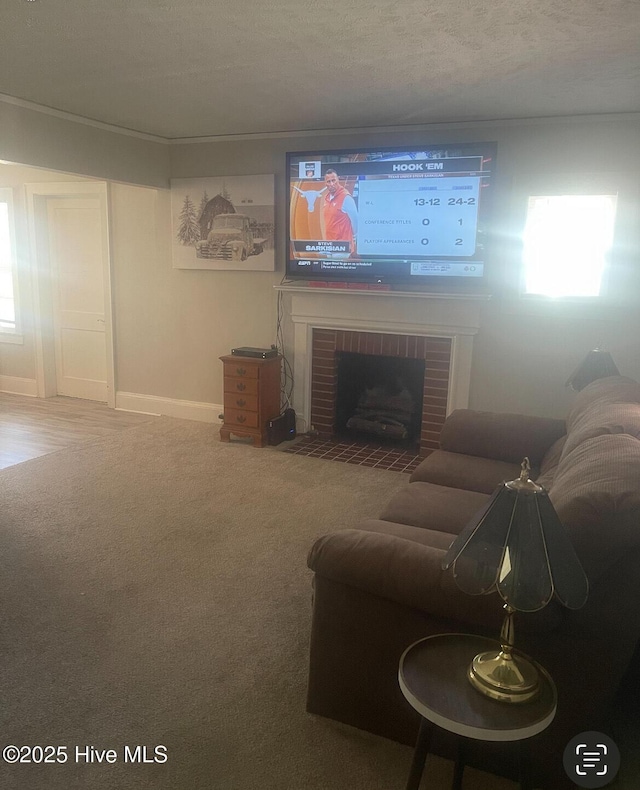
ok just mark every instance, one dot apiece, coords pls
pixel 224 223
pixel 189 229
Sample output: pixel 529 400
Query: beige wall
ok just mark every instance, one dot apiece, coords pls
pixel 172 325
pixel 523 353
pixel 46 140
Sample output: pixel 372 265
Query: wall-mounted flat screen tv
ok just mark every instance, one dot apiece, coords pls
pixel 417 216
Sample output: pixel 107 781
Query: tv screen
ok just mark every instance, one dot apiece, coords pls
pixel 418 216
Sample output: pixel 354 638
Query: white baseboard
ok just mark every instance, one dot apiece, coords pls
pixel 153 404
pixel 18 386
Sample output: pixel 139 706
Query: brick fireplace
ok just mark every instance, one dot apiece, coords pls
pixel 439 328
pixel 435 351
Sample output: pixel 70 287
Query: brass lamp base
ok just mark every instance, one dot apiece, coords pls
pixel 501 676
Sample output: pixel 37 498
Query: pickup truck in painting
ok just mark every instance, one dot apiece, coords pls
pixel 230 238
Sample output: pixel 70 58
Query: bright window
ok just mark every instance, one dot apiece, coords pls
pixel 567 240
pixel 7 263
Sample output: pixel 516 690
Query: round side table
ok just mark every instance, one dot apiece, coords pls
pixel 433 679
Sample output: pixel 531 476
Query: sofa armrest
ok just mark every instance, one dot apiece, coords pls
pixel 500 436
pixel 410 574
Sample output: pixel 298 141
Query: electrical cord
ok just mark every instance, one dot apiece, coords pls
pixel 287 381
pixel 286 386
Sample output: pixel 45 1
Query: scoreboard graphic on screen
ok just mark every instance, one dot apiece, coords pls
pixel 419 216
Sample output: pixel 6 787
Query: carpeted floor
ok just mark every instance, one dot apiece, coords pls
pixel 155 593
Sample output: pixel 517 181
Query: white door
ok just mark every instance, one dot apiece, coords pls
pixel 79 258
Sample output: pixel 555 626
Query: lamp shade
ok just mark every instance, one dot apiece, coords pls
pixel 518 546
pixel 596 365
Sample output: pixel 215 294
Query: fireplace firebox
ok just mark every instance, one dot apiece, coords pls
pixel 390 352
pixel 379 397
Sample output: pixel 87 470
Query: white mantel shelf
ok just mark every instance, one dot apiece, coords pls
pixel 310 289
pixel 456 316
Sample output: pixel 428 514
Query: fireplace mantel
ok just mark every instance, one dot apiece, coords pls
pixel 387 312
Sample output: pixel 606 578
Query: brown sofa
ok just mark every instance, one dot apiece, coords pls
pixel 379 588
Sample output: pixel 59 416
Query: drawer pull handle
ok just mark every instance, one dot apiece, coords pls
pixel 242 418
pixel 240 386
pixel 241 402
pixel 241 371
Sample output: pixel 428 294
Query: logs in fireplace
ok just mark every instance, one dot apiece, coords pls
pixel 379 397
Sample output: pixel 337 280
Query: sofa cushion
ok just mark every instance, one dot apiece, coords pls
pixel 500 436
pixel 603 418
pixel 549 465
pixel 458 470
pixel 612 389
pixel 430 506
pixel 596 493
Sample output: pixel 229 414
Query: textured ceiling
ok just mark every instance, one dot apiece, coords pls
pixel 189 68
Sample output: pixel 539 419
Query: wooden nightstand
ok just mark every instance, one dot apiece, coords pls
pixel 251 396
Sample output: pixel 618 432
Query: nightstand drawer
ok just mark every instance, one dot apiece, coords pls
pixel 241 401
pixel 246 419
pixel 244 386
pixel 241 369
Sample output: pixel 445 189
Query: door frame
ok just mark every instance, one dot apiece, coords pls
pixel 42 277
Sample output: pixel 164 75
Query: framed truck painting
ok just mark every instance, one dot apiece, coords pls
pixel 224 223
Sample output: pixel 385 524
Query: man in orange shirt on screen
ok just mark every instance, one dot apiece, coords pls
pixel 340 212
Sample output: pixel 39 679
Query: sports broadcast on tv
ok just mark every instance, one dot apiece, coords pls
pixel 390 216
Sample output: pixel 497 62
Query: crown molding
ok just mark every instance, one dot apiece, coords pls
pixel 421 127
pixel 489 123
pixel 68 116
